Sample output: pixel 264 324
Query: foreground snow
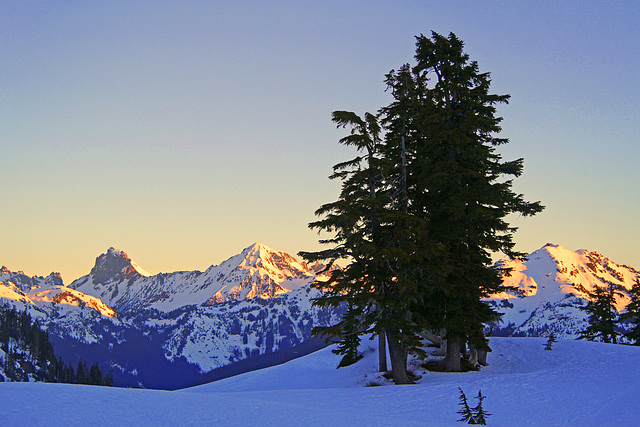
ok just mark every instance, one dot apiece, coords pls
pixel 578 383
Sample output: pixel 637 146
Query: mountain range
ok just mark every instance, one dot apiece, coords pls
pixel 173 330
pixel 550 286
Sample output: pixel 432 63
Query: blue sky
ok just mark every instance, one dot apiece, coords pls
pixel 181 132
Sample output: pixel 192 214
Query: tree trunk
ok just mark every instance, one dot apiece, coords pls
pixel 473 355
pixel 443 348
pixel 398 356
pixel 382 352
pixel 431 337
pixel 482 357
pixel 452 360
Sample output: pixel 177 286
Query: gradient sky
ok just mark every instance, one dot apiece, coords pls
pixel 183 131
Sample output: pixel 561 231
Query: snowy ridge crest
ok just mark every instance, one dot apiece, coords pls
pixel 551 285
pixel 48 295
pixel 257 272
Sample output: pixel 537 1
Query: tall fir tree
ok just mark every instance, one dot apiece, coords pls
pixel 632 314
pixel 422 210
pixel 603 316
pixel 457 185
pixel 354 220
pixel 551 341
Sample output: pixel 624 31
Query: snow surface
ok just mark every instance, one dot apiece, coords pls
pixel 577 383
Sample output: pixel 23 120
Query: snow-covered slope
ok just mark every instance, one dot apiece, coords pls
pixel 217 335
pixel 578 383
pixel 60 310
pixel 47 293
pixel 551 286
pixel 257 271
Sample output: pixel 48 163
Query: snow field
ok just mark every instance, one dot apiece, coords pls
pixel 577 383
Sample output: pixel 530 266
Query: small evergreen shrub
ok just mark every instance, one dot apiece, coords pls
pixel 550 341
pixel 476 415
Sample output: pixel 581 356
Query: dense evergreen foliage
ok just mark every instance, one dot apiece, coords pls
pixel 421 209
pixel 633 314
pixel 550 341
pixel 603 316
pixel 476 415
pixel 28 354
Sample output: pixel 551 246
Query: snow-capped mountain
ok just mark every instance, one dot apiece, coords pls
pixel 47 294
pixel 255 306
pixel 60 309
pixel 257 271
pixel 177 329
pixel 550 287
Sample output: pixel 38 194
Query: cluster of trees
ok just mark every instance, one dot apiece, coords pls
pixel 476 415
pixel 422 208
pixel 28 353
pixel 604 319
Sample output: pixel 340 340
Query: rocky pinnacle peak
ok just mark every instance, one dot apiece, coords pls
pixel 114 264
pixel 117 252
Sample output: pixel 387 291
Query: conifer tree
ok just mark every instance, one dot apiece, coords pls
pixel 349 339
pixel 82 375
pixel 550 341
pixel 603 316
pixel 476 415
pixel 479 414
pixel 354 220
pixel 465 410
pixel 632 313
pixel 462 189
pixel 422 210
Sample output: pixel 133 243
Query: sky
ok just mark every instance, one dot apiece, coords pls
pixel 183 131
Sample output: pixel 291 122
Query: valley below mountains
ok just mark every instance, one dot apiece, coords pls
pixel 174 330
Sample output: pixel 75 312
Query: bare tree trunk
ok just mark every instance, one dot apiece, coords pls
pixel 443 348
pixel 382 352
pixel 431 337
pixel 398 355
pixel 482 357
pixel 452 360
pixel 473 355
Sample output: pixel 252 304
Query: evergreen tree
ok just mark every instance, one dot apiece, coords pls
pixel 465 410
pixel 28 349
pixel 632 313
pixel 603 316
pixel 354 220
pixel 476 415
pixel 550 341
pixel 350 339
pixel 82 375
pixel 479 414
pixel 95 375
pixel 463 189
pixel 422 210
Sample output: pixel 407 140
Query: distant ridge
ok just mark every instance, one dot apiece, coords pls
pixel 177 329
pixel 551 286
pixel 258 271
